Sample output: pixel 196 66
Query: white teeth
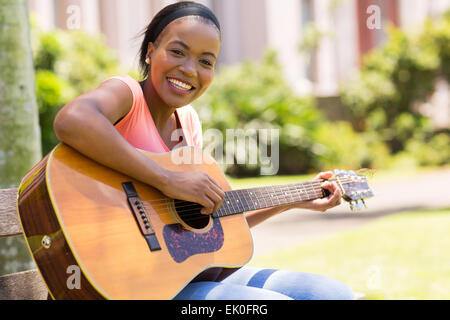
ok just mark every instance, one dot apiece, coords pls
pixel 180 84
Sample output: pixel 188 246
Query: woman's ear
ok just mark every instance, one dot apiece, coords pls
pixel 150 50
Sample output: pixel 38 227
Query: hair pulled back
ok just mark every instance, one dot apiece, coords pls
pixel 164 17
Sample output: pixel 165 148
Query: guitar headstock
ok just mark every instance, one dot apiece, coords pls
pixel 354 187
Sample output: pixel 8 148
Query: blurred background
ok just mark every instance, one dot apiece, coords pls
pixel 350 84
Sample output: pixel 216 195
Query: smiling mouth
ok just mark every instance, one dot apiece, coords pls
pixel 180 85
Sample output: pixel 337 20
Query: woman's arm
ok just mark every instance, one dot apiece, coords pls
pixel 86 124
pixel 333 199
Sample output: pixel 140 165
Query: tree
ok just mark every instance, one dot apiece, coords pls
pixel 20 146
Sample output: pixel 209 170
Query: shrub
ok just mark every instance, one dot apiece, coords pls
pixel 337 145
pixel 67 64
pixel 255 95
pixel 381 97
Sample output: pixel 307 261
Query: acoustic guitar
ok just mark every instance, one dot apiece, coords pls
pixel 95 233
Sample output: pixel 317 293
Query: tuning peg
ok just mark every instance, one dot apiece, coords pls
pixel 352 205
pixel 359 205
pixel 364 203
pixel 337 172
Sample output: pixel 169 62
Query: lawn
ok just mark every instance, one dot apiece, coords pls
pixel 402 256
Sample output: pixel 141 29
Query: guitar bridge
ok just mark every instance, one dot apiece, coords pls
pixel 142 218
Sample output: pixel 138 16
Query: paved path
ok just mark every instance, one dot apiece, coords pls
pixel 430 189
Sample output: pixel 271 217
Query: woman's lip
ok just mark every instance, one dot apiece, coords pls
pixel 178 90
pixel 184 81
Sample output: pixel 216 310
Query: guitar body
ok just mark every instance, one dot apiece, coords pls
pixel 88 244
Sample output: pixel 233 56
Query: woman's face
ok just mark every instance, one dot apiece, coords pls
pixel 183 63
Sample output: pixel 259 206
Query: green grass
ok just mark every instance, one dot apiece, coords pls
pixel 402 256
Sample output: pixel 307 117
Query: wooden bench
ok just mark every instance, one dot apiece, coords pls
pixel 26 285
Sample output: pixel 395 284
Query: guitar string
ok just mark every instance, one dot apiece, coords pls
pixel 186 216
pixel 279 195
pixel 196 216
pixel 311 184
pixel 280 192
pixel 317 194
pixel 310 187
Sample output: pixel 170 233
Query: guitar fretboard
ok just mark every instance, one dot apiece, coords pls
pixel 238 201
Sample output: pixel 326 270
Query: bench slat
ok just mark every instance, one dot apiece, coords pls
pixel 9 221
pixel 26 285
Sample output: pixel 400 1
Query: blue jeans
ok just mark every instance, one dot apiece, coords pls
pixel 250 283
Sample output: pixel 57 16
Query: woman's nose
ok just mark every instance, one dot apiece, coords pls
pixel 188 68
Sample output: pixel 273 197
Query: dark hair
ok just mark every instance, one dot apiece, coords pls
pixel 164 17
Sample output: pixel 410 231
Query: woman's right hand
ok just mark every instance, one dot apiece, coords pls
pixel 196 187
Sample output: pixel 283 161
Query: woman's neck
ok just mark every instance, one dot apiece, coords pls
pixel 160 111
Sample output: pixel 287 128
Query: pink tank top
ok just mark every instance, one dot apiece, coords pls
pixel 138 128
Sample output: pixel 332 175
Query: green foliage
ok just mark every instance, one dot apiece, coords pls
pixel 337 145
pixel 432 151
pixel 255 95
pixel 393 78
pixel 67 65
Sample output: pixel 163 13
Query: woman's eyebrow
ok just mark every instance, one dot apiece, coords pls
pixel 184 45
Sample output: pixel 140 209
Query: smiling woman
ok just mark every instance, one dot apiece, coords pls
pixel 108 124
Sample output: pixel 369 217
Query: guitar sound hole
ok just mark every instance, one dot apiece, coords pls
pixel 189 212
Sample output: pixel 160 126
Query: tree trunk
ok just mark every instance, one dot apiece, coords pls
pixel 20 143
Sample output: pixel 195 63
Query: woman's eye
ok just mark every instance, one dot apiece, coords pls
pixel 206 62
pixel 177 52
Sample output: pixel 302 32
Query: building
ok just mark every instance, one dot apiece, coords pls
pixel 340 31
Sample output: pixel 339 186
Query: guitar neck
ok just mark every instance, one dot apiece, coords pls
pixel 238 201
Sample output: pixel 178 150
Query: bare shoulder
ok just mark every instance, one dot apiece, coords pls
pixel 112 98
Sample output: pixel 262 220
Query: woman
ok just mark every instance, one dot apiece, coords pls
pixel 178 57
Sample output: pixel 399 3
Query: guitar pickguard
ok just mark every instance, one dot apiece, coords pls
pixel 183 243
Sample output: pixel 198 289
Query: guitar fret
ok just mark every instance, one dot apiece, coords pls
pixel 305 192
pixel 301 190
pixel 239 201
pixel 276 193
pixel 271 195
pixel 231 202
pixel 289 195
pixel 242 200
pixel 247 206
pixel 285 195
pixel 317 192
pixel 245 200
pixel 257 199
pixel 251 196
pixel 220 212
pixel 226 205
pixel 235 202
pixel 298 195
pixel 313 191
pixel 265 197
pixel 276 196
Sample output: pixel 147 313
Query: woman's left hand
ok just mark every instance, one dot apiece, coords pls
pixel 323 204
